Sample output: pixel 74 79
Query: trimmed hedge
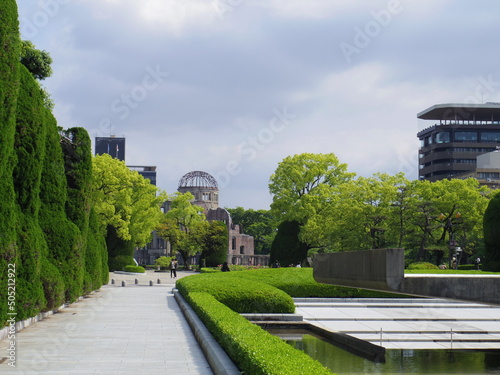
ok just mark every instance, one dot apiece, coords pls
pixel 252 349
pixel 136 269
pixel 243 297
pixel 299 282
pixel 422 266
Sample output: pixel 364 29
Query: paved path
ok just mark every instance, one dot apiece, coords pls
pixel 408 323
pixel 137 329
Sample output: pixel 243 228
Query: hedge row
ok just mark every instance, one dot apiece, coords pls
pixel 299 282
pixel 251 348
pixel 243 297
pixel 48 237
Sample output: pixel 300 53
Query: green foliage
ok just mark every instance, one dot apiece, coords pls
pixel 248 297
pixel 257 223
pixel 119 262
pixel 491 225
pixel 183 225
pixel 163 262
pixel 254 350
pixel 135 269
pixel 53 285
pixel 214 242
pixel 422 266
pixel 9 88
pixel 125 200
pixel 36 61
pixel 37 237
pixel 287 248
pixel 299 283
pixel 302 184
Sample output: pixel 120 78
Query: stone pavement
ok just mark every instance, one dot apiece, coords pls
pixel 136 329
pixel 408 323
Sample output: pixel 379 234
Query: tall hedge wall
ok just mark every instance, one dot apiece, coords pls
pixel 49 237
pixel 9 83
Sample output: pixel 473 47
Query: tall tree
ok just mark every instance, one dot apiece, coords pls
pixel 214 242
pixel 183 226
pixel 125 200
pixel 491 226
pixel 301 182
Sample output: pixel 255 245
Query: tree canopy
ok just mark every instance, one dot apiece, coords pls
pixel 183 225
pixel 125 200
pixel 37 61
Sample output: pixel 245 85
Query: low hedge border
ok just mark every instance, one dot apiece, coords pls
pixel 247 296
pixel 254 350
pixel 135 269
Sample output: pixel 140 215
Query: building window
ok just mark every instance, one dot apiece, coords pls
pixel 490 137
pixel 466 136
pixel 443 137
pixel 489 174
pixel 464 161
pixel 233 243
pixel 242 249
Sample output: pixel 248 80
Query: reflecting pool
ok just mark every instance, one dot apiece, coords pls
pixel 398 361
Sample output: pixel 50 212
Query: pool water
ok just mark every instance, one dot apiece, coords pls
pixel 398 361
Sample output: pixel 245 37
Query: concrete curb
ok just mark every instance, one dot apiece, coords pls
pixel 219 361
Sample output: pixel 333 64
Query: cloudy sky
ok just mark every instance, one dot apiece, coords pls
pixel 231 87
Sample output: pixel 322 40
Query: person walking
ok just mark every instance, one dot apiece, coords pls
pixel 173 268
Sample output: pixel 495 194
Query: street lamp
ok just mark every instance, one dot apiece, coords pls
pixel 458 256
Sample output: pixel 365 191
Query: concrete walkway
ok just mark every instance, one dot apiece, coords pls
pixel 408 323
pixel 136 329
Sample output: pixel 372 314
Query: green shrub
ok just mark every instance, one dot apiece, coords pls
pixel 53 285
pixel 299 282
pixel 119 262
pixel 136 269
pixel 252 349
pixel 163 262
pixel 422 266
pixel 243 297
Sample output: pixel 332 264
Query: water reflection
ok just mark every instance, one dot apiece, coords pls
pixel 398 361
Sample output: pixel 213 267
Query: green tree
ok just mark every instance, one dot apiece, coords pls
pixel 491 226
pixel 287 248
pixel 127 205
pixel 303 183
pixel 257 223
pixel 183 226
pixel 37 61
pixel 214 243
pixel 125 200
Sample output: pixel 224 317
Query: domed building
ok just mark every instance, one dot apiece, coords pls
pixel 205 190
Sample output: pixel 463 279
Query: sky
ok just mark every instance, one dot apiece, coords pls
pixel 232 87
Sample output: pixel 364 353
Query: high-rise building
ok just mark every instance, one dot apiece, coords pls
pixel 460 133
pixel 114 146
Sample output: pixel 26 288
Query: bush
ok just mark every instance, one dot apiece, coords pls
pixel 136 269
pixel 119 262
pixel 253 350
pixel 243 297
pixel 422 266
pixel 163 262
pixel 299 282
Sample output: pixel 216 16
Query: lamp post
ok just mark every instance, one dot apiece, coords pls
pixel 458 256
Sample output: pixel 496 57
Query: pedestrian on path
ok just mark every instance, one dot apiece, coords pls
pixel 173 268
